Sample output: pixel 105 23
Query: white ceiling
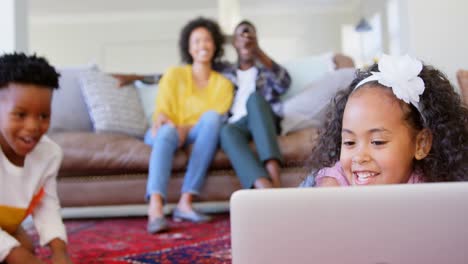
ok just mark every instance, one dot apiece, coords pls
pixel 60 7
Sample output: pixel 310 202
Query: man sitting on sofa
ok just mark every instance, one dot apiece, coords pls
pixel 256 111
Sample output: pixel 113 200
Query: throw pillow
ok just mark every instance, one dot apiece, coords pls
pixel 69 112
pixel 308 108
pixel 305 70
pixel 147 94
pixel 112 108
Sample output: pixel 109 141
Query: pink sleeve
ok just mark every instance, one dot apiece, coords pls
pixel 335 172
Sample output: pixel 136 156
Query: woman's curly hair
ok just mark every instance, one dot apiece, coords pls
pixel 21 68
pixel 216 34
pixel 444 115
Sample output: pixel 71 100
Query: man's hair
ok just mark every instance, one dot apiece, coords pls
pixel 245 22
pixel 21 68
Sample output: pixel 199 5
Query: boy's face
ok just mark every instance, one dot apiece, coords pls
pixel 24 118
pixel 378 145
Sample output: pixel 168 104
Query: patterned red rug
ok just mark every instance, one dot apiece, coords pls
pixel 125 240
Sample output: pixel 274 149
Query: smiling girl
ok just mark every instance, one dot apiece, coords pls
pixel 399 122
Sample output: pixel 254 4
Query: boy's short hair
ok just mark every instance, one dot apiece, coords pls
pixel 21 68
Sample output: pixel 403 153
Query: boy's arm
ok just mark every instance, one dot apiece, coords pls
pixel 20 255
pixel 59 252
pixel 46 215
pixel 7 244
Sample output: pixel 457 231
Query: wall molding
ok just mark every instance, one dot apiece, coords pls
pixel 111 17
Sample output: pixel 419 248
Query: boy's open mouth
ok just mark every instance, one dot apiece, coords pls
pixel 29 142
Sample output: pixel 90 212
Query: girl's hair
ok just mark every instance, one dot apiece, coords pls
pixel 215 32
pixel 444 115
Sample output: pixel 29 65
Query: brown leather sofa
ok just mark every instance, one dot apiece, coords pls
pixel 111 169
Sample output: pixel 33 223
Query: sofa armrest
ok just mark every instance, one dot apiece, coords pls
pixel 343 61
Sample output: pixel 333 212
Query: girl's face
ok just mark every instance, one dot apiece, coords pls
pixel 201 45
pixel 378 146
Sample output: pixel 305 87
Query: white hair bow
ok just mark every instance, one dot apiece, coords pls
pixel 401 74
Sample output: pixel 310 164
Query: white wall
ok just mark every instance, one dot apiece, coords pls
pixel 13 25
pixel 147 42
pixel 118 42
pixel 436 33
pixel 293 35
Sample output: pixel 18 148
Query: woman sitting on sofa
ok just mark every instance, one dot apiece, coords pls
pixel 190 105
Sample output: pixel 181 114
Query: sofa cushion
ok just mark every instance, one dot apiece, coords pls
pixel 112 109
pixel 100 154
pixel 305 70
pixel 295 148
pixel 69 112
pixel 308 108
pixel 147 94
pixel 95 154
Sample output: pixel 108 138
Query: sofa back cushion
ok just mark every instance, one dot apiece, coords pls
pixel 112 108
pixel 147 94
pixel 306 70
pixel 69 111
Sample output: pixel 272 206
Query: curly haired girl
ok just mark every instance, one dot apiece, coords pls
pixel 399 122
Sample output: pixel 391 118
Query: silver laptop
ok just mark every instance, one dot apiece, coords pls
pixel 392 224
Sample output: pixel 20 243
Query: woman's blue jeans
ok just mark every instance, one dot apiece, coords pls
pixel 204 135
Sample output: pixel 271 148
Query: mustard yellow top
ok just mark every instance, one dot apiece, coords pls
pixel 184 103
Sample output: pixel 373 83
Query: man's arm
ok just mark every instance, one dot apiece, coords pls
pixel 126 79
pixel 278 76
pixel 264 59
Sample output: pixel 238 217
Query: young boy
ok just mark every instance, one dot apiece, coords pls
pixel 29 160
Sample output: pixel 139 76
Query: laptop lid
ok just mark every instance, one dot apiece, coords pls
pixel 391 224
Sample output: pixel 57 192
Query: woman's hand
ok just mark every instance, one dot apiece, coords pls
pixel 183 133
pixel 160 120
